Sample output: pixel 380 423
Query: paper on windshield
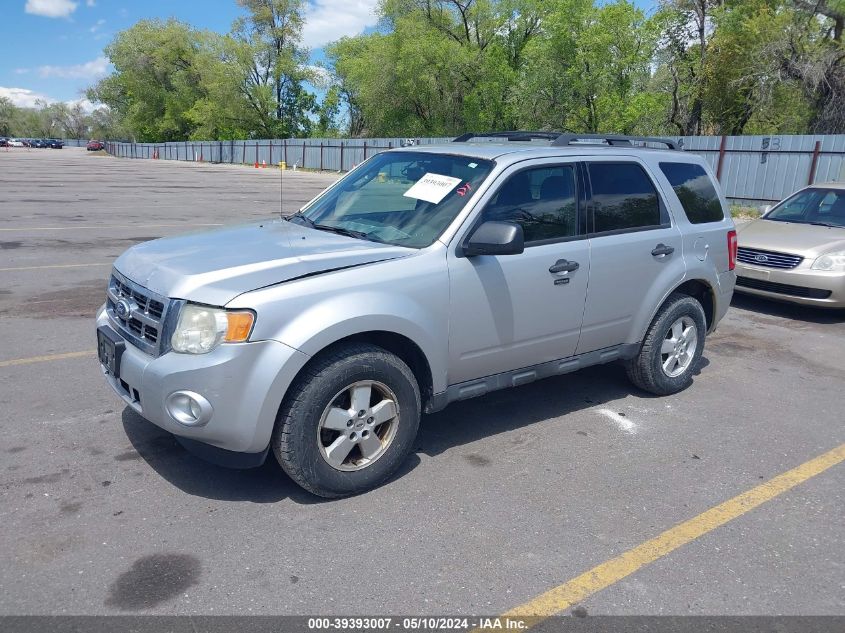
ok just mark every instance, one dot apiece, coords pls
pixel 432 187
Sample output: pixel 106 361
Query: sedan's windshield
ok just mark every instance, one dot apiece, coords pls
pixel 816 205
pixel 402 198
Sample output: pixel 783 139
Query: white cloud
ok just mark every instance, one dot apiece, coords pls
pixel 24 98
pixel 51 8
pixel 329 20
pixel 89 70
pixel 21 71
pixel 87 106
pixel 90 3
pixel 97 26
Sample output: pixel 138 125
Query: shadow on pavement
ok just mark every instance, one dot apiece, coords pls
pixel 770 307
pixel 502 411
pixel 265 484
pixel 460 423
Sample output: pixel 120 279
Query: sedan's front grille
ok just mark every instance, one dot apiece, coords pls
pixel 769 259
pixel 783 289
pixel 137 313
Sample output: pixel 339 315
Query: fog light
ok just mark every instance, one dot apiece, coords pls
pixel 188 408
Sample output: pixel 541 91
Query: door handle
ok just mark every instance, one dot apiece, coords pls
pixel 563 266
pixel 661 250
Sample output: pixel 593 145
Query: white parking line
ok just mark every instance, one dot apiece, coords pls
pixel 6 270
pixel 619 420
pixel 106 226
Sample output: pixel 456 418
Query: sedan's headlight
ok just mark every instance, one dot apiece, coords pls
pixel 200 329
pixel 831 262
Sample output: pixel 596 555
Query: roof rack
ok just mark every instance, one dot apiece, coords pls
pixel 515 135
pixel 559 139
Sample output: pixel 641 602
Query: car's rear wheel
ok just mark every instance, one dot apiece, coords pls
pixel 672 347
pixel 348 422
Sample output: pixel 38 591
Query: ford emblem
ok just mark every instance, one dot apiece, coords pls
pixel 122 308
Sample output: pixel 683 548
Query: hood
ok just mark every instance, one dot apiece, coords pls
pixel 806 240
pixel 216 266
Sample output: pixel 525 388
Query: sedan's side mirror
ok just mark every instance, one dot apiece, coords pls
pixel 764 209
pixel 495 238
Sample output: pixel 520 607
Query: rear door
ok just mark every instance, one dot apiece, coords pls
pixel 512 311
pixel 636 252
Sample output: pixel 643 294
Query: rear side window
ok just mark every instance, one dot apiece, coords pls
pixel 695 190
pixel 624 198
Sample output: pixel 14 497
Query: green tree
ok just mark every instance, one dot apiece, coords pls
pixel 8 116
pixel 591 71
pixel 272 62
pixel 156 80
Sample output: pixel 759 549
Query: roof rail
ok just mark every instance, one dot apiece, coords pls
pixel 613 139
pixel 559 139
pixel 515 135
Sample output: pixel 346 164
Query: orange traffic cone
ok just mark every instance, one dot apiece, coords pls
pixel 263 164
pixel 256 164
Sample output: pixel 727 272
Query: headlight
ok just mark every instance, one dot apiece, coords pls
pixel 831 262
pixel 200 329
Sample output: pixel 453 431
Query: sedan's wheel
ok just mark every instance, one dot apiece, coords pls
pixel 358 426
pixel 672 347
pixel 348 421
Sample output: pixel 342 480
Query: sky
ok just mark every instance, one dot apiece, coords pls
pixel 53 49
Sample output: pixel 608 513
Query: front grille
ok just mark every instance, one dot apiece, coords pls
pixel 141 315
pixel 769 259
pixel 783 289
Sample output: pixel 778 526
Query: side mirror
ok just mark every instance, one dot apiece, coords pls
pixel 495 238
pixel 765 209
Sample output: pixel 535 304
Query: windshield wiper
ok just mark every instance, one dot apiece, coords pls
pixel 299 215
pixel 835 226
pixel 361 235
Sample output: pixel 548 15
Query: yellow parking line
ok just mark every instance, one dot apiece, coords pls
pixel 44 359
pixel 107 226
pixel 612 571
pixel 5 270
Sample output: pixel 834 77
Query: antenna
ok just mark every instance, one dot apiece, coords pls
pixel 281 192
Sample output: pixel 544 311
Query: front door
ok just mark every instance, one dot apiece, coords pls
pixel 513 311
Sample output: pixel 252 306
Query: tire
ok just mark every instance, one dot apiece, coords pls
pixel 648 370
pixel 312 430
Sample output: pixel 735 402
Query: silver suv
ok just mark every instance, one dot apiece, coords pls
pixel 426 275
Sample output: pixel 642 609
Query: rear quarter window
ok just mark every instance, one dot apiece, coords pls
pixel 695 190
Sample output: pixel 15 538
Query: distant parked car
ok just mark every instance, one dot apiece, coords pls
pixel 15 142
pixel 55 143
pixel 796 251
pixel 4 142
pixel 38 143
pixel 94 146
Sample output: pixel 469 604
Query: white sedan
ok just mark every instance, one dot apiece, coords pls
pixel 13 142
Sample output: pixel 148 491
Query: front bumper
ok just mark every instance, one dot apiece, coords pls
pixel 800 285
pixel 243 382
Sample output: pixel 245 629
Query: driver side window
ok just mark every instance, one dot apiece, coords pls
pixel 543 200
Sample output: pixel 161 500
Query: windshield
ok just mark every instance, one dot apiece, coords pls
pixel 401 198
pixel 812 206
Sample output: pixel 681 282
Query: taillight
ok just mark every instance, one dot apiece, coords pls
pixel 731 250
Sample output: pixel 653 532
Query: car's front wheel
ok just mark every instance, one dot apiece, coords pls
pixel 348 422
pixel 672 347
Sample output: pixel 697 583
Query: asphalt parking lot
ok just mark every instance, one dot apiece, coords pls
pixel 506 496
